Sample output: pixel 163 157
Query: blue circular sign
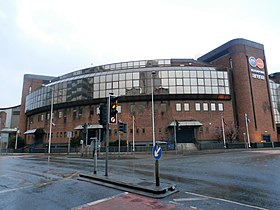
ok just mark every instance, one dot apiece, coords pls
pixel 253 61
pixel 157 151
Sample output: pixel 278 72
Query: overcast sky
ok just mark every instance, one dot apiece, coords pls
pixel 54 37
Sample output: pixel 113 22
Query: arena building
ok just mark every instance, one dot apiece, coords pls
pixel 194 98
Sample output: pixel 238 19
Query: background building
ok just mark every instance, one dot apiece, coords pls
pixel 195 95
pixel 9 124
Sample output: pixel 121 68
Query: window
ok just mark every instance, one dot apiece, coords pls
pixel 197 106
pixel 59 115
pixel 163 108
pixel 186 107
pixel 132 109
pixel 220 107
pixel 74 114
pixel 205 107
pixel 213 107
pixel 178 107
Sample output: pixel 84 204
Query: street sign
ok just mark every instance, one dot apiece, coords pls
pixel 157 152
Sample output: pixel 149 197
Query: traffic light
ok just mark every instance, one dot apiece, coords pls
pixel 103 114
pixel 113 109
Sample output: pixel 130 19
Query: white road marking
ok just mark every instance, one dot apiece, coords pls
pixel 98 201
pixel 227 201
pixel 189 199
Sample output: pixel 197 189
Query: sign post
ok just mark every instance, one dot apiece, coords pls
pixel 69 135
pixel 157 151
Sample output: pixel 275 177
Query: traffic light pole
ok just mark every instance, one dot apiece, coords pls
pixel 107 136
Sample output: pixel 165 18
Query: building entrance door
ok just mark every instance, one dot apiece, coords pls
pixel 185 134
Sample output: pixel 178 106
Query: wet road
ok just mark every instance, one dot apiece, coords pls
pixel 206 180
pixel 31 182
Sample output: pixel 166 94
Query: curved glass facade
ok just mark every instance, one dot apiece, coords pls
pixel 275 95
pixel 131 78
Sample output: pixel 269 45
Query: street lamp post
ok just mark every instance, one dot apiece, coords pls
pixel 153 112
pixel 51 121
pixel 17 132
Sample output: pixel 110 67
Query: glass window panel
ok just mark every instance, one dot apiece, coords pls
pixel 213 74
pixel 171 74
pixel 227 90
pixel 164 74
pixel 115 77
pixel 109 85
pixel 225 75
pixel 118 65
pixel 172 82
pixel 129 84
pixel 96 79
pixel 222 90
pixel 199 74
pixel 186 81
pixel 128 76
pixel 194 81
pixel 172 90
pixel 113 66
pixel 122 76
pixel 206 74
pixel 102 78
pixel 215 90
pixel 164 82
pixel 194 89
pixel 197 106
pixel 102 86
pixel 124 65
pixel 208 90
pixel 205 107
pixel 121 84
pixel 201 89
pixel 136 75
pixel 207 82
pixel 221 82
pixel 186 73
pixel 187 89
pixel 200 81
pixel 178 107
pixel 136 64
pixel 179 81
pixel 142 63
pixel 192 73
pixel 214 82
pixel 226 83
pixel 109 77
pixel 179 74
pixel 186 107
pixel 102 94
pixel 180 90
pixel 96 86
pixel 130 64
pixel 220 74
pixel 220 107
pixel 135 83
pixel 115 85
pixel 213 107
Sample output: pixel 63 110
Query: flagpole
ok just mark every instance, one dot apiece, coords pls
pixel 223 127
pixel 248 137
pixel 133 142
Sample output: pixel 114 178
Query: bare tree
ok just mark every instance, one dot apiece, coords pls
pixel 231 132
